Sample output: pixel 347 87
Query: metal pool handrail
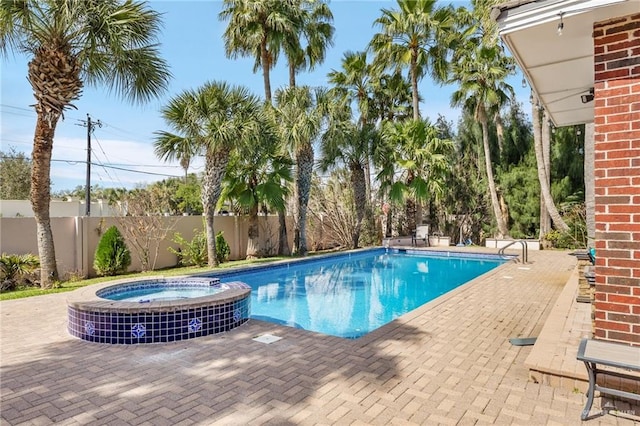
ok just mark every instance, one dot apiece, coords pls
pixel 525 249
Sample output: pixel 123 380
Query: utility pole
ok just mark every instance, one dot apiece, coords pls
pixel 87 196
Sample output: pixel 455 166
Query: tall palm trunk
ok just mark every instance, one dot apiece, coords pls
pixel 40 198
pixel 545 133
pixel 54 76
pixel 360 198
pixel 292 75
pixel 253 234
pixel 304 159
pixel 543 176
pixel 503 231
pixel 499 132
pixel 283 238
pixel 410 207
pixel 215 166
pixel 266 68
pixel 589 183
pixel 283 243
pixel 414 84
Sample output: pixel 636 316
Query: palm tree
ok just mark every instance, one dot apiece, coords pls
pixel 391 97
pixel 72 43
pixel 300 113
pixel 349 143
pixel 254 178
pixel 421 156
pixel 218 119
pixel 258 29
pixel 417 36
pixel 169 147
pixel 540 133
pixel 313 20
pixel 354 81
pixel 480 72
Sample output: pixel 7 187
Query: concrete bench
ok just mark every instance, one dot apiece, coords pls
pixel 599 353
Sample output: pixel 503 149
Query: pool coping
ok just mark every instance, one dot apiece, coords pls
pixel 347 253
pixel 86 298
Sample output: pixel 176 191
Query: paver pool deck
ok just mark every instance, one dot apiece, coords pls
pixel 448 362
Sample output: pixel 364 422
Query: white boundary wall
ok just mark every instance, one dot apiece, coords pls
pixel 76 238
pixel 22 208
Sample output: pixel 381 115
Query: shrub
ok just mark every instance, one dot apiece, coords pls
pixel 222 248
pixel 112 255
pixel 13 267
pixel 192 252
pixel 576 236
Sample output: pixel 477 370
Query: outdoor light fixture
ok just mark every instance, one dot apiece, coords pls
pixel 587 98
pixel 560 25
pixel 524 82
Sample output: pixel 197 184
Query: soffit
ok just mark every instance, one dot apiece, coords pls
pixel 559 68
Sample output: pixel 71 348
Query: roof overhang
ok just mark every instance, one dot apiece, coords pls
pixel 559 68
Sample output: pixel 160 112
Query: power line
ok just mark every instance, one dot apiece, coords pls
pixel 108 166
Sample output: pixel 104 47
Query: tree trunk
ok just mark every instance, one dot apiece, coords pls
pixel 253 234
pixel 304 158
pixel 41 195
pixel 388 226
pixel 589 183
pixel 283 239
pixel 266 68
pixel 414 84
pixel 359 197
pixel 545 219
pixel 410 207
pixel 545 189
pixel 499 132
pixel 292 75
pixel 214 170
pixel 545 137
pixel 503 230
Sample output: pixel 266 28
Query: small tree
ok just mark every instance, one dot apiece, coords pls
pixel 112 255
pixel 15 175
pixel 144 224
pixel 222 248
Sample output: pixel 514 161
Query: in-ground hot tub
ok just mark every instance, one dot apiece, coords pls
pixel 95 317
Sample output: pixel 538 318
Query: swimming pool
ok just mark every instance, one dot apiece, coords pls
pixel 350 295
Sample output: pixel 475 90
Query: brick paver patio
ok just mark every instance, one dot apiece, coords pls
pixel 448 362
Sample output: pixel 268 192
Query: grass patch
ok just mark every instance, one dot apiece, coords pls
pixel 62 287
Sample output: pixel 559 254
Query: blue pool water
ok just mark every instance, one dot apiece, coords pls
pixel 352 295
pixel 159 293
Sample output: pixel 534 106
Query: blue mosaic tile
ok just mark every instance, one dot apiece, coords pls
pixel 90 328
pixel 158 327
pixel 138 330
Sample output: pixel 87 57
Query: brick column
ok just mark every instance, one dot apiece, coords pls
pixel 617 179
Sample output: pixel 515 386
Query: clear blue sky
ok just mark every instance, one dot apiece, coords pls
pixel 191 41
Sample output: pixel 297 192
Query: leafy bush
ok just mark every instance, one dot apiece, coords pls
pixel 192 252
pixel 576 236
pixel 222 248
pixel 112 255
pixel 13 267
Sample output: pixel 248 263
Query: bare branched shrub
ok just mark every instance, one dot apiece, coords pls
pixel 332 215
pixel 144 225
pixel 269 234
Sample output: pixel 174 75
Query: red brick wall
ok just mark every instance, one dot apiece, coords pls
pixel 617 179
